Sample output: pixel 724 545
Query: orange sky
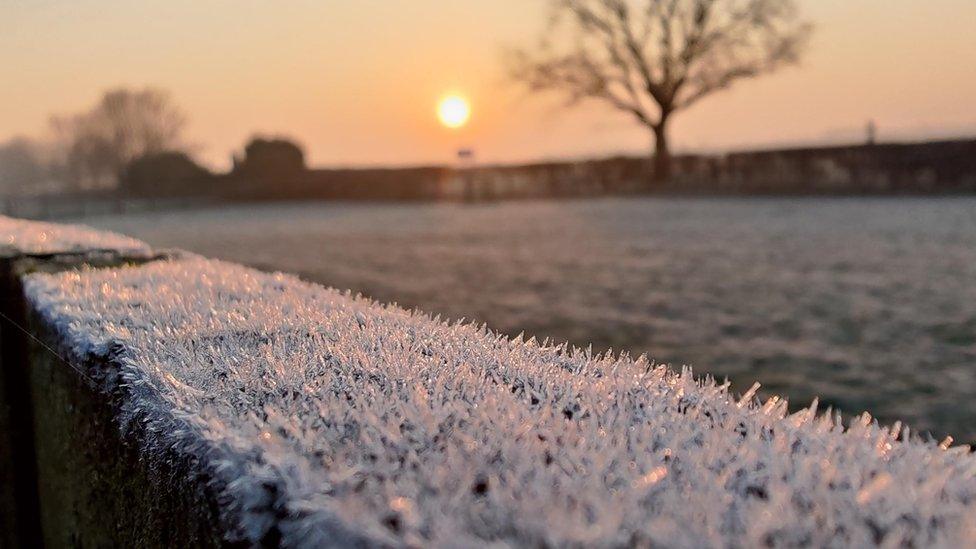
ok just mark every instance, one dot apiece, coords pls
pixel 357 82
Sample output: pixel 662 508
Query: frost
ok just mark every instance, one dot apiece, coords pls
pixel 18 236
pixel 339 421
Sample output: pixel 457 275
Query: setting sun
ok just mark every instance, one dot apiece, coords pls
pixel 453 111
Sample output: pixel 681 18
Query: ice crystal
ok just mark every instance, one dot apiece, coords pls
pixel 18 236
pixel 336 421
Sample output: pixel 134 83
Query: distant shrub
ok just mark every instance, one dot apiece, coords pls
pixel 165 174
pixel 271 158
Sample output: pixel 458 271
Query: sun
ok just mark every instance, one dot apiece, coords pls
pixel 453 111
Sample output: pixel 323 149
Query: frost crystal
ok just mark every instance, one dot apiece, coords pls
pixel 31 237
pixel 340 421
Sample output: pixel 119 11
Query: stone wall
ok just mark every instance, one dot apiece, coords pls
pixel 27 247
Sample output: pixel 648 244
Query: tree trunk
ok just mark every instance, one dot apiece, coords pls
pixel 662 154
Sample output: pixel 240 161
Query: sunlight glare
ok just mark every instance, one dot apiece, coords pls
pixel 453 111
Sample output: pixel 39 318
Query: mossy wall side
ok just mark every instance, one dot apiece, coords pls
pixel 70 474
pixel 96 489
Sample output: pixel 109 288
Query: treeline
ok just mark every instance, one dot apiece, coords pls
pixel 943 167
pixel 91 150
pixel 130 145
pixel 934 167
pixel 275 169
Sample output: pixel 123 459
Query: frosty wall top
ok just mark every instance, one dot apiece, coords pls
pixel 20 237
pixel 324 419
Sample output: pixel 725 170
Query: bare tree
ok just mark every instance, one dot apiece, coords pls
pixel 653 58
pixel 123 126
pixel 20 166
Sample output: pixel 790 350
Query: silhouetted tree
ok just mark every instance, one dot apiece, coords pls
pixel 264 158
pixel 123 126
pixel 653 58
pixel 170 173
pixel 20 167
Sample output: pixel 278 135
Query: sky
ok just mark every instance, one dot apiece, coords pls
pixel 357 82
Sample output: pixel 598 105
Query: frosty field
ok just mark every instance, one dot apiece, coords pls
pixel 868 303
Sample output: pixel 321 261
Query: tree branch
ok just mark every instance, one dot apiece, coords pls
pixel 639 54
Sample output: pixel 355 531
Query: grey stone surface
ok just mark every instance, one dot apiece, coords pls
pixel 26 246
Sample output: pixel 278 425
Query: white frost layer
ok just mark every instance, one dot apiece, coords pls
pixel 19 236
pixel 387 423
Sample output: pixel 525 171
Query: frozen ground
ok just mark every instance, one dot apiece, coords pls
pixel 868 303
pixel 344 421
